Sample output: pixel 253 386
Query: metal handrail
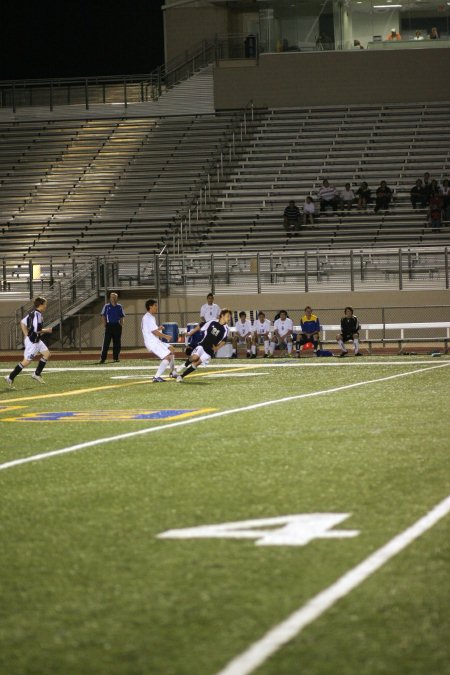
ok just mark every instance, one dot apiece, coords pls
pixel 214 170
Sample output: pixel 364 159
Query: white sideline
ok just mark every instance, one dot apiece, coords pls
pixel 274 639
pixel 194 420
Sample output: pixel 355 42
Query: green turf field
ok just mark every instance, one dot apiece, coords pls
pixel 88 586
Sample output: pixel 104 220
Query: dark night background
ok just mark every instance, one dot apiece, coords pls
pixel 69 38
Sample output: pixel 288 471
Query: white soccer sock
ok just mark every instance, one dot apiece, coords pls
pixel 253 349
pixel 341 345
pixel 289 347
pixel 356 345
pixel 266 346
pixel 162 367
pixel 234 351
pixel 272 347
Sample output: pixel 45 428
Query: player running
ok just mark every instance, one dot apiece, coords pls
pixel 215 334
pixel 32 329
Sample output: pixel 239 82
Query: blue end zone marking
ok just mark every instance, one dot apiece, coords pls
pixel 106 415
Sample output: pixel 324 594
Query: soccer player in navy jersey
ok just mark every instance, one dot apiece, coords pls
pixel 32 329
pixel 215 334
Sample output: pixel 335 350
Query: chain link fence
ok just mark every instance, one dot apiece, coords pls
pixel 84 332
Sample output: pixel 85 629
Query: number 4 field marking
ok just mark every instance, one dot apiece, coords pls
pixel 295 530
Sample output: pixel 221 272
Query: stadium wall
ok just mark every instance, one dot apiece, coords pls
pixel 186 27
pixel 334 78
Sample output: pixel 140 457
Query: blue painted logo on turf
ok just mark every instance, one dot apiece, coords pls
pixel 108 415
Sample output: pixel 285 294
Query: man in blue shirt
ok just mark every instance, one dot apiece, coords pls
pixel 112 315
pixel 310 330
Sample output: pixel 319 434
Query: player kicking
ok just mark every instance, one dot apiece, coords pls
pixel 215 334
pixel 152 338
pixel 282 334
pixel 32 329
pixel 243 335
pixel 261 333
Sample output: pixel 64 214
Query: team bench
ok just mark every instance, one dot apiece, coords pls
pixel 437 332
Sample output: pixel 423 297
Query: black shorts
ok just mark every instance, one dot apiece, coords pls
pixel 348 337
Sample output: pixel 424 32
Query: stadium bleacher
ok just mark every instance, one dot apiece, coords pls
pixel 107 186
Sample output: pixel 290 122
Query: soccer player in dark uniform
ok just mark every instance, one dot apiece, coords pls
pixel 215 334
pixel 32 329
pixel 350 328
pixel 310 330
pixel 112 314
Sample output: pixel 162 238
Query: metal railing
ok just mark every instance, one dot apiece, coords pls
pixel 125 89
pixel 189 221
pixel 253 272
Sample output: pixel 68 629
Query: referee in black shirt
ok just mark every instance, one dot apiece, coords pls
pixel 112 315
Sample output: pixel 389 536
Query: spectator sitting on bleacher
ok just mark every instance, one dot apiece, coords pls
pixel 383 197
pixel 418 195
pixel 435 210
pixel 445 191
pixel 347 197
pixel 309 211
pixel 427 185
pixel 291 217
pixel 328 196
pixel 364 195
pixel 434 188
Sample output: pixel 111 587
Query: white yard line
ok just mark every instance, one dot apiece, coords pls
pixel 309 362
pixel 277 637
pixel 194 420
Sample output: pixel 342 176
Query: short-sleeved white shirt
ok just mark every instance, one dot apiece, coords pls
pixel 262 328
pixel 152 342
pixel 243 329
pixel 210 312
pixel 283 326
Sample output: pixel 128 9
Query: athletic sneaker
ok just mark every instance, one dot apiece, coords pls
pixel 249 356
pixel 358 354
pixel 234 356
pixel 9 382
pixel 179 378
pixel 253 356
pixel 38 378
pixel 342 354
pixel 266 356
pixel 158 379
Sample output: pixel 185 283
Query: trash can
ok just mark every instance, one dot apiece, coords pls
pixel 172 330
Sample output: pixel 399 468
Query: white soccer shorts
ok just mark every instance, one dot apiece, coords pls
pixel 33 348
pixel 204 356
pixel 158 348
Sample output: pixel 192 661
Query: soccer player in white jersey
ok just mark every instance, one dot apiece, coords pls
pixel 261 332
pixel 152 338
pixel 243 335
pixel 209 311
pixel 32 329
pixel 282 333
